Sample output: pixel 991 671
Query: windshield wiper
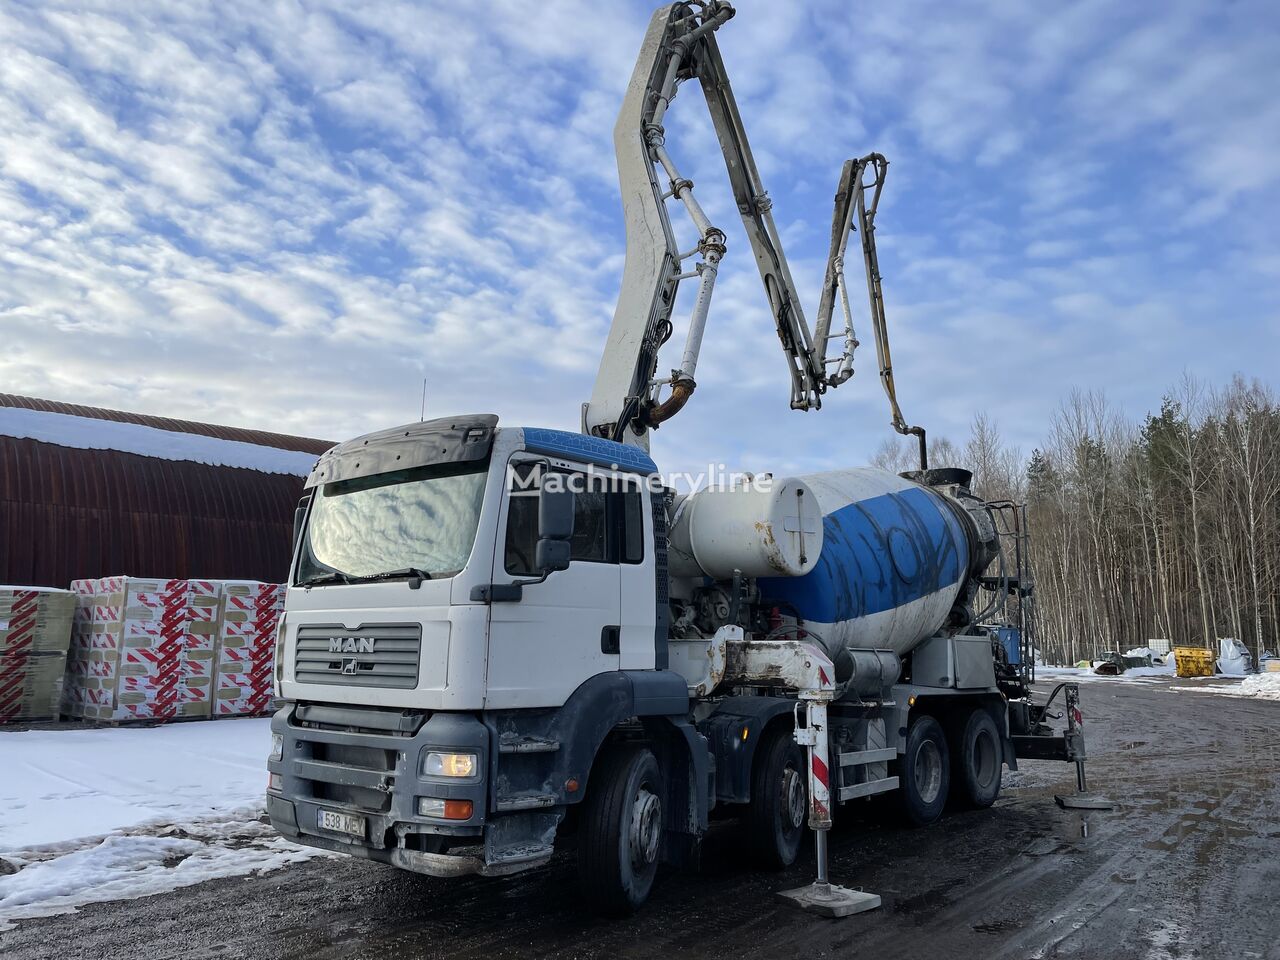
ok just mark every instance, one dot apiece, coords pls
pixel 323 578
pixel 413 574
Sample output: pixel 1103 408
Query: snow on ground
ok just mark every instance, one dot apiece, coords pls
pixel 1260 686
pixel 1162 668
pixel 65 784
pixel 1143 674
pixel 126 867
pixel 113 814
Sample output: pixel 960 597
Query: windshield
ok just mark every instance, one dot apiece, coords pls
pixel 419 522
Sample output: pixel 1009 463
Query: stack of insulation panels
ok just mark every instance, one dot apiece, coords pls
pixel 142 649
pixel 245 662
pixel 35 630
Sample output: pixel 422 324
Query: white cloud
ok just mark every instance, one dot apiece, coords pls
pixel 287 215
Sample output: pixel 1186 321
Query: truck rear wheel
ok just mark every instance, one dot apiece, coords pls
pixel 779 800
pixel 925 772
pixel 978 766
pixel 622 830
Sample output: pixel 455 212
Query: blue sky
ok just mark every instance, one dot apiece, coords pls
pixel 286 215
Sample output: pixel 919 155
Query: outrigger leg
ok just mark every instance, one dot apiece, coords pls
pixel 1082 799
pixel 805 668
pixel 822 896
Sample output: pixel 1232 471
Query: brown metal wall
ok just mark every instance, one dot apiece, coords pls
pixel 67 513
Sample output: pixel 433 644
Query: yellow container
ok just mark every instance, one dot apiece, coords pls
pixel 1271 666
pixel 1193 661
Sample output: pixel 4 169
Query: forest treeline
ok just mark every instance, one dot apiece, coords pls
pixel 1164 527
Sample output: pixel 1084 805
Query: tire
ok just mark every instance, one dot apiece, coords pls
pixel 621 833
pixel 925 772
pixel 775 820
pixel 979 762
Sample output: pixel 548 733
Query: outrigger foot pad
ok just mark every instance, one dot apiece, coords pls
pixel 829 900
pixel 1083 801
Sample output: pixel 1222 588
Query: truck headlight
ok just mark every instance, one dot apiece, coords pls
pixel 450 765
pixel 277 746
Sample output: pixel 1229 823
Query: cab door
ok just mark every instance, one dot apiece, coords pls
pixel 565 629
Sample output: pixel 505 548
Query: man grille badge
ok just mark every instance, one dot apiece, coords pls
pixel 351 644
pixel 349 666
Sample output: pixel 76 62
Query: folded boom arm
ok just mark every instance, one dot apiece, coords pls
pixel 680 45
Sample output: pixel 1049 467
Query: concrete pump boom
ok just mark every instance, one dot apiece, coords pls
pixel 680 45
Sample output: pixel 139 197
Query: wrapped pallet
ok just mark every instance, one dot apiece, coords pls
pixel 35 631
pixel 142 649
pixel 248 616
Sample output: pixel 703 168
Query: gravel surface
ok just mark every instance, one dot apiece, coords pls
pixel 1187 866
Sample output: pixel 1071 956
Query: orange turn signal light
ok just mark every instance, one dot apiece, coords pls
pixel 457 809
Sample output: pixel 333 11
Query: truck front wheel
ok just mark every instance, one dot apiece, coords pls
pixel 622 831
pixel 926 772
pixel 779 800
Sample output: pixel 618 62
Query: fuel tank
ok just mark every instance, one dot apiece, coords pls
pixel 896 555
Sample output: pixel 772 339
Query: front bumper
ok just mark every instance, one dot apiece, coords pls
pixel 458 862
pixel 368 763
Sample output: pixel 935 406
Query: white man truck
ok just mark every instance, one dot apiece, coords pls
pixel 499 640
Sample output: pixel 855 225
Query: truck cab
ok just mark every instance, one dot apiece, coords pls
pixel 472 614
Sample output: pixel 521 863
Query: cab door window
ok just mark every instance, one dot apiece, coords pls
pixel 607 524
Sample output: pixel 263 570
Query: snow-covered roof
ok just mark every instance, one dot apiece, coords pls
pixel 91 433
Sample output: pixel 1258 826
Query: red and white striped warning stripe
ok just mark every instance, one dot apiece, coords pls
pixel 819 768
pixel 819 747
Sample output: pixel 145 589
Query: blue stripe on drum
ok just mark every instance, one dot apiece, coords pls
pixel 877 554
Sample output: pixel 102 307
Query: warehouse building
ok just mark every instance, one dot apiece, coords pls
pixel 87 492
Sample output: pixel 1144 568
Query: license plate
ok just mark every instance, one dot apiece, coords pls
pixel 347 823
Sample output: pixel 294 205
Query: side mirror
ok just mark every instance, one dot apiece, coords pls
pixel 555 528
pixel 551 555
pixel 299 517
pixel 555 512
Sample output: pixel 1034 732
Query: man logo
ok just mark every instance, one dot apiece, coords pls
pixel 351 645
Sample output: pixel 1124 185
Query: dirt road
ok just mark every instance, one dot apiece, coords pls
pixel 1188 866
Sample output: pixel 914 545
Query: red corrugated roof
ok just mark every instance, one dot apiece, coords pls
pixel 261 437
